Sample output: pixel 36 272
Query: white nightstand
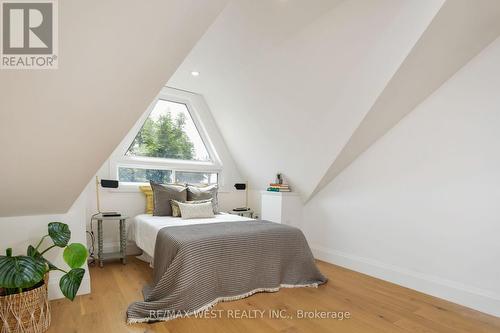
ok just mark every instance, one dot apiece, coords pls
pixel 281 207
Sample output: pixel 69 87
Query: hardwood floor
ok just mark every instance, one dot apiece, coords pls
pixel 374 306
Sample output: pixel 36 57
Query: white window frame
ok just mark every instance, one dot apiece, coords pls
pixel 196 109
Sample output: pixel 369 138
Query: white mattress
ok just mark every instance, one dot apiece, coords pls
pixel 145 227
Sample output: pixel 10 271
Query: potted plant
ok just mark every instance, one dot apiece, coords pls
pixel 24 305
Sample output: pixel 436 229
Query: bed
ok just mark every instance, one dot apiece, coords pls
pixel 145 227
pixel 200 262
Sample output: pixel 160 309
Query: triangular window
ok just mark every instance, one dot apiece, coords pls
pixel 169 133
pixel 170 143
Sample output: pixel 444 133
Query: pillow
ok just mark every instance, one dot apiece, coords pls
pixel 197 211
pixel 176 212
pixel 204 193
pixel 148 192
pixel 162 194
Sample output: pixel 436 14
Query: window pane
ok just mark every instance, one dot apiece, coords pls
pixel 195 177
pixel 136 175
pixel 169 132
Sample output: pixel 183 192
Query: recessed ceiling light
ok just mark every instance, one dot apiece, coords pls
pixel 195 73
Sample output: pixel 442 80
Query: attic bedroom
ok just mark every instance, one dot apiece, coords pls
pixel 250 166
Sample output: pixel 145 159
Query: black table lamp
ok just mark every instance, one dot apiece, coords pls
pixel 241 187
pixel 106 183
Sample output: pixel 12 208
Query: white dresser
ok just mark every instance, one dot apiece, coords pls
pixel 281 207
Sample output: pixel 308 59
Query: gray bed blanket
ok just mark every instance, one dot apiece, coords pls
pixel 197 266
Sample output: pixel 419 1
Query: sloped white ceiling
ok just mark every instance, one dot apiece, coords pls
pixel 58 126
pixel 460 30
pixel 288 82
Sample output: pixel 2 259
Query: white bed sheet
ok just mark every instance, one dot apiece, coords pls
pixel 145 227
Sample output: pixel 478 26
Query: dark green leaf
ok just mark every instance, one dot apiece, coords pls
pixel 60 233
pixel 70 282
pixel 75 255
pixel 32 252
pixel 21 271
pixel 8 252
pixel 51 266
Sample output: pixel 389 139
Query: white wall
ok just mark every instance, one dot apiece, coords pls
pixel 19 232
pixel 421 207
pixel 289 81
pixel 459 31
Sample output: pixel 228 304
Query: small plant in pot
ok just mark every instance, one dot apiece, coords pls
pixel 24 305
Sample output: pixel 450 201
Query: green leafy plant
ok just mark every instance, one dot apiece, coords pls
pixel 23 273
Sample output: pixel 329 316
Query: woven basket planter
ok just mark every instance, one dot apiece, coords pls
pixel 27 312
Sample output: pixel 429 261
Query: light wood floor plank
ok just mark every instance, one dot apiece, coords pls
pixel 375 306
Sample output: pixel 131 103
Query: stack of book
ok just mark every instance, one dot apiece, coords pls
pixel 273 187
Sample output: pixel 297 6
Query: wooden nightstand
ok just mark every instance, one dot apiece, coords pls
pixel 123 239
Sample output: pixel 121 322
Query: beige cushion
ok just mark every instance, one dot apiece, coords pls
pixel 195 193
pixel 176 211
pixel 198 211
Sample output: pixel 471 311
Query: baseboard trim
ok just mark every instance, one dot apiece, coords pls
pixel 479 299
